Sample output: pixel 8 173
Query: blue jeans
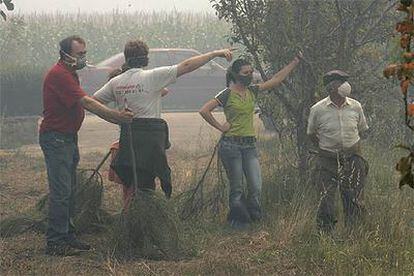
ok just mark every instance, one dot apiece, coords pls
pixel 62 157
pixel 242 159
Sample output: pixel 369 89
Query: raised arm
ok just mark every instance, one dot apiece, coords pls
pixel 281 75
pixel 193 63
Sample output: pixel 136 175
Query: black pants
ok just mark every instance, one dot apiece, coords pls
pixel 146 180
pixel 347 173
pixel 149 145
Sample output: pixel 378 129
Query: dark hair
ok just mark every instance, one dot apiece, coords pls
pixel 66 44
pixel 136 54
pixel 234 69
pixel 118 71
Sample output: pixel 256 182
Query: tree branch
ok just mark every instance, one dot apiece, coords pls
pixel 253 50
pixel 374 26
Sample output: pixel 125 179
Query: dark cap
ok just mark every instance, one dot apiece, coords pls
pixel 335 75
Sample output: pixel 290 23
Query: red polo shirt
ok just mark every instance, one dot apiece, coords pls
pixel 62 110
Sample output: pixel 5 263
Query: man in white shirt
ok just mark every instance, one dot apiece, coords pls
pixel 336 125
pixel 140 91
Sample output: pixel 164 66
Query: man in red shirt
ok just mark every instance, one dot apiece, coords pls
pixel 64 102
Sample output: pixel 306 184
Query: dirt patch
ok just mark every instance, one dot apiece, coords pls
pixel 188 133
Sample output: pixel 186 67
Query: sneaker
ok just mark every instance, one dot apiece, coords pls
pixel 77 244
pixel 60 249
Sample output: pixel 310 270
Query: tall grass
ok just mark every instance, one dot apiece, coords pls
pixel 382 244
pixel 286 242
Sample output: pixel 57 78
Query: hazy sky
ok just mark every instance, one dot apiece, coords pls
pixel 24 6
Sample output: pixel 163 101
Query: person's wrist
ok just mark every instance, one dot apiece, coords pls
pixel 117 115
pixel 296 59
pixel 218 53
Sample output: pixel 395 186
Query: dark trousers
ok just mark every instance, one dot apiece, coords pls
pixel 149 145
pixel 349 173
pixel 62 157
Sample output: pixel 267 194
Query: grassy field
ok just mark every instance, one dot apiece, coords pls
pixel 285 243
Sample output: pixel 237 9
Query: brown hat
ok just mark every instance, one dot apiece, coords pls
pixel 335 75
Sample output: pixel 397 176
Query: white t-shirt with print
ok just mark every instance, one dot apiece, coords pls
pixel 140 89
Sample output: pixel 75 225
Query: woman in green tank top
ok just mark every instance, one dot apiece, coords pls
pixel 237 149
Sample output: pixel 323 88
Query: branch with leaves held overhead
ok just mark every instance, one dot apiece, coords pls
pixel 9 6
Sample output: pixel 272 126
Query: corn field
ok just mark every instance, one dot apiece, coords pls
pixel 29 44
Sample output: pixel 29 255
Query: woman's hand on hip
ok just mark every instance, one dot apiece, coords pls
pixel 225 127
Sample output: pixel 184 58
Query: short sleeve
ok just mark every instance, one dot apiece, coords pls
pixel 68 89
pixel 222 97
pixel 362 123
pixel 161 77
pixel 255 89
pixel 105 94
pixel 312 122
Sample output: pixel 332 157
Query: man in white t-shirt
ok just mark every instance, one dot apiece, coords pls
pixel 140 91
pixel 140 88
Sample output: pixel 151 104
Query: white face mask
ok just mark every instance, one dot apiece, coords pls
pixel 345 90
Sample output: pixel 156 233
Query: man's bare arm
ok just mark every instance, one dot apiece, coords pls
pixel 108 114
pixel 193 63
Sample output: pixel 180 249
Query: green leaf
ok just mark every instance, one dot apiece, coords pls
pixel 401 146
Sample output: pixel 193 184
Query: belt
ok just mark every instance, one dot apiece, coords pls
pixel 69 137
pixel 149 124
pixel 240 139
pixel 341 155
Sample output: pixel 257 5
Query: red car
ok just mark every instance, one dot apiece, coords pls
pixel 190 91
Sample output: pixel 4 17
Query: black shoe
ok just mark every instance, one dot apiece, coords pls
pixel 255 212
pixel 237 225
pixel 238 212
pixel 77 244
pixel 60 249
pixel 256 216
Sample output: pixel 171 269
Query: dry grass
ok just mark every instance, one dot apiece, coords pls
pixel 285 243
